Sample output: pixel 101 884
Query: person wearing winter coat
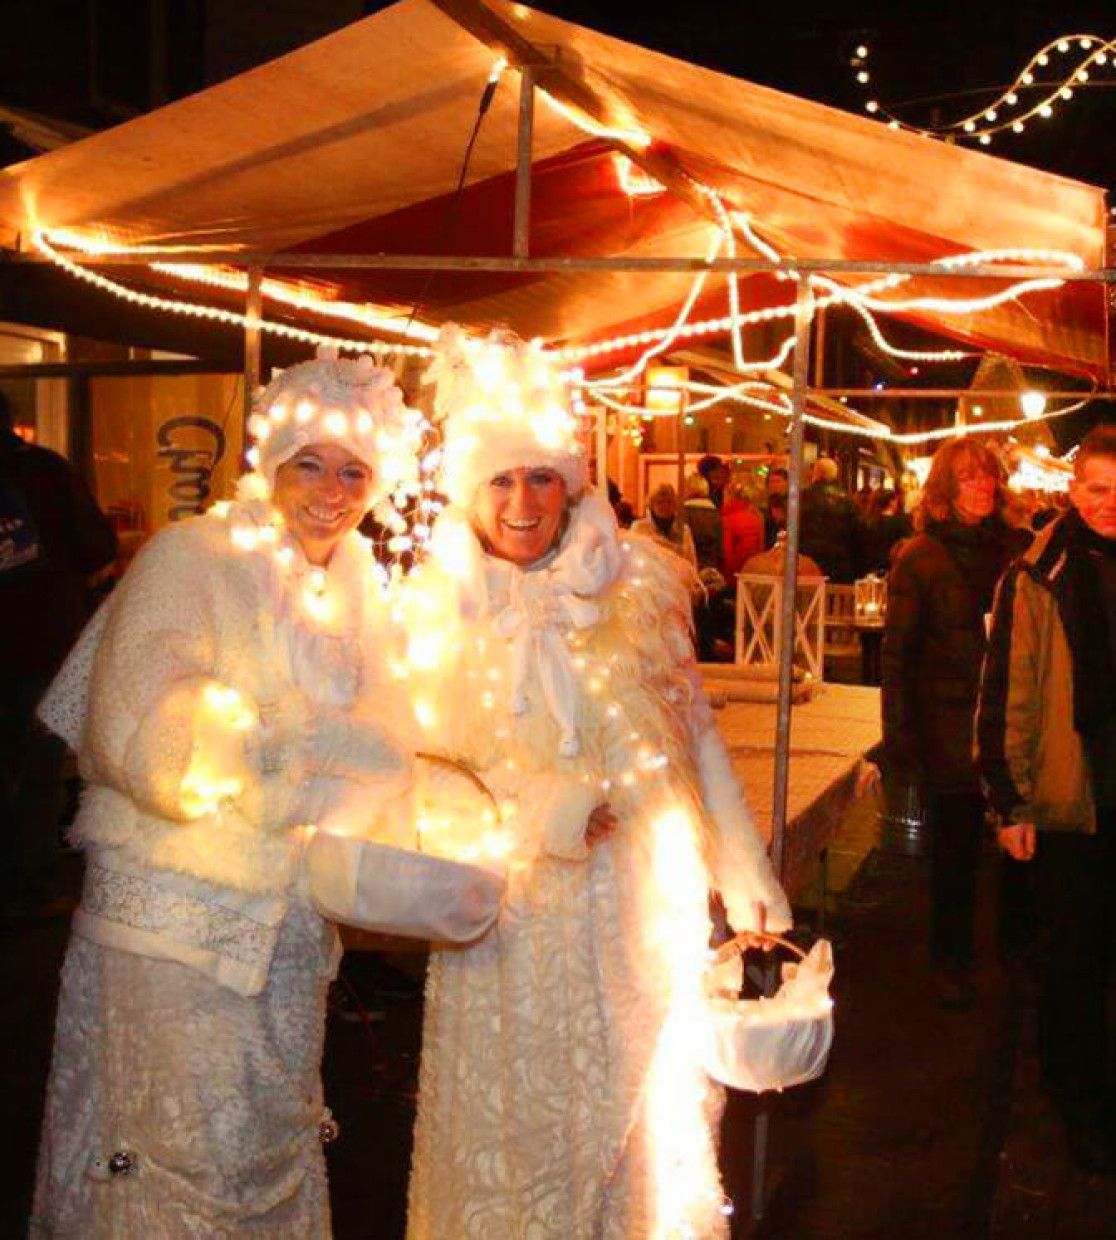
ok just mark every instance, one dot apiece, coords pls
pixel 830 527
pixel 53 539
pixel 664 523
pixel 561 1093
pixel 232 694
pixel 939 593
pixel 743 528
pixel 1046 740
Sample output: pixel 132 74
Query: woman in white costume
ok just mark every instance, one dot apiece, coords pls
pixel 561 1091
pixel 233 689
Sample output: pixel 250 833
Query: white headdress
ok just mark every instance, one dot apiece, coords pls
pixel 355 404
pixel 503 405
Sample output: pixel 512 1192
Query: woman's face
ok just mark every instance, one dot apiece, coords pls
pixel 518 513
pixel 321 493
pixel 975 496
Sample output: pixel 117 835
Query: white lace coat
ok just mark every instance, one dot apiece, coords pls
pixel 560 1094
pixel 191 1017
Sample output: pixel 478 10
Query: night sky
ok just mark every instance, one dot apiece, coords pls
pixel 950 56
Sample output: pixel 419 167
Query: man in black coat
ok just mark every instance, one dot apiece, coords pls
pixel 52 538
pixel 829 531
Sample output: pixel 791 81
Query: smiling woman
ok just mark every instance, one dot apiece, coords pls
pixel 234 689
pixel 322 494
pixel 519 513
pixel 561 1092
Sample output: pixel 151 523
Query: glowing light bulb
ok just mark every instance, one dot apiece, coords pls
pixel 1046 111
pixel 970 126
pixel 1033 403
pixel 1063 45
pixel 1044 60
pixel 863 77
pixel 1028 79
pixel 1083 75
pixel 872 106
pixel 1018 127
pixel 1066 92
pixel 990 115
pixel 985 139
pixel 861 50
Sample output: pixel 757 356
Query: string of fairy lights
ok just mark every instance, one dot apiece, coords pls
pixel 1048 81
pixel 619 390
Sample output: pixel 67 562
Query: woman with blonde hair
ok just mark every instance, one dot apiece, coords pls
pixel 234 689
pixel 940 590
pixel 561 1093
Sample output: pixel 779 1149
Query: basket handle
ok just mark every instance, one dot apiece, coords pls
pixel 459 768
pixel 739 943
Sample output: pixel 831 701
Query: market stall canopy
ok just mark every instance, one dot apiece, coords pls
pixel 354 143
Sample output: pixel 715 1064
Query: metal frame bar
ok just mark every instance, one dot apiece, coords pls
pixel 617 263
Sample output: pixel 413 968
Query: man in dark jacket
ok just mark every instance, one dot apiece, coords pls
pixel 1046 738
pixel 52 537
pixel 830 524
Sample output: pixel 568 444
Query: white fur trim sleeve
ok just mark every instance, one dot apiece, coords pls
pixel 551 811
pixel 741 869
pixel 348 746
pixel 162 728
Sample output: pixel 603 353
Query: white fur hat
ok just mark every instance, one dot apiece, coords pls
pixel 355 404
pixel 503 405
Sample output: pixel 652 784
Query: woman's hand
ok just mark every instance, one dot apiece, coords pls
pixel 1018 840
pixel 868 778
pixel 752 938
pixel 602 822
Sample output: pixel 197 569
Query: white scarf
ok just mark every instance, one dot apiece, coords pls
pixel 538 608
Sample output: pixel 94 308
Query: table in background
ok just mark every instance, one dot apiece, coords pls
pixel 830 734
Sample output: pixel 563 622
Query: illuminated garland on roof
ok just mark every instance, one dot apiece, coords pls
pixel 1084 54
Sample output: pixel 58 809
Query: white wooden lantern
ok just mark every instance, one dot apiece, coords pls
pixel 759 608
pixel 870 600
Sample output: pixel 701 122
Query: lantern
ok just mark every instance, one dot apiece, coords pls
pixel 759 609
pixel 870 600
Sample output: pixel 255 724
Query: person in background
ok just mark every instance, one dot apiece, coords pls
pixel 664 523
pixel 743 528
pixel 625 515
pixel 885 526
pixel 1046 742
pixel 939 592
pixel 704 520
pixel 716 473
pixel 775 495
pixel 830 528
pixel 53 539
pixel 775 519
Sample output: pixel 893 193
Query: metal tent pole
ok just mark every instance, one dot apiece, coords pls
pixel 804 307
pixel 521 231
pixel 252 353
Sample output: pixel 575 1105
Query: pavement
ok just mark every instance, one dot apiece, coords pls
pixel 928 1123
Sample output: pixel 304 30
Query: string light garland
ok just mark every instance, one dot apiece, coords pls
pixel 1080 55
pixel 225 278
